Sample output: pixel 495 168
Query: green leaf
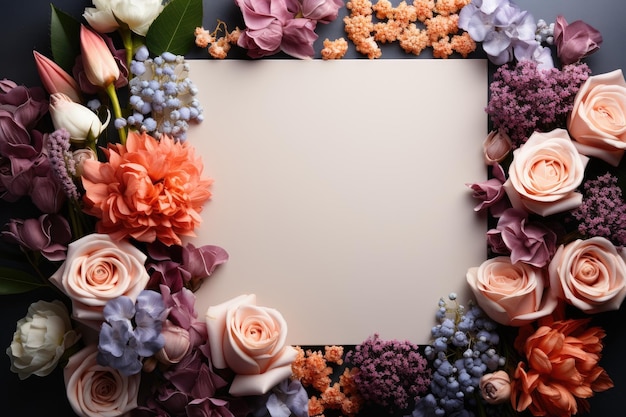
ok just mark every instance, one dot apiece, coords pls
pixel 14 281
pixel 64 38
pixel 172 31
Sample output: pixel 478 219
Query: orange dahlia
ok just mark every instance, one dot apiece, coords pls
pixel 149 189
pixel 562 368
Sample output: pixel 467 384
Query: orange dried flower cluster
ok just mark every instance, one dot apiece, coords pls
pixel 562 369
pixel 416 26
pixel 334 49
pixel 313 370
pixel 217 47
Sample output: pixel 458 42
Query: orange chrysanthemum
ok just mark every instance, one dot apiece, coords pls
pixel 562 369
pixel 149 189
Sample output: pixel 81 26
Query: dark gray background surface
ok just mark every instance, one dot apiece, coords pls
pixel 25 26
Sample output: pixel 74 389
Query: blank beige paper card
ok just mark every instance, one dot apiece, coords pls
pixel 340 189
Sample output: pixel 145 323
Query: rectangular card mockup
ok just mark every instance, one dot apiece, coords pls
pixel 340 189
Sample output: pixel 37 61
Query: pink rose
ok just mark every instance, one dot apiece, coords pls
pixel 511 294
pixel 94 390
pixel 323 11
pixel 575 41
pixel 495 388
pixel 545 173
pixel 598 118
pixel 250 340
pixel 589 274
pixel 96 270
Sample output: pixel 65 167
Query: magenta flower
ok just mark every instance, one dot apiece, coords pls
pixel 529 242
pixel 49 234
pixel 177 266
pixel 490 193
pixel 322 11
pixel 575 41
pixel 273 26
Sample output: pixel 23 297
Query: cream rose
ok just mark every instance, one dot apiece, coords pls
pixel 598 119
pixel 589 274
pixel 511 294
pixel 495 388
pixel 40 339
pixel 545 173
pixel 94 390
pixel 137 14
pixel 250 340
pixel 96 270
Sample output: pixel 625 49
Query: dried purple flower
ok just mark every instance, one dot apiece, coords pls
pixel 390 373
pixel 524 98
pixel 603 210
pixel 62 161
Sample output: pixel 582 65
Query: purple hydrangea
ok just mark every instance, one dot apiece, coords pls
pixel 603 211
pixel 524 98
pixel 131 331
pixel 390 373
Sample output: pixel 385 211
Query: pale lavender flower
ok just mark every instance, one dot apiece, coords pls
pixel 505 30
pixel 131 331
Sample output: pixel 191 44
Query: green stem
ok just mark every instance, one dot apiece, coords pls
pixel 117 110
pixel 127 40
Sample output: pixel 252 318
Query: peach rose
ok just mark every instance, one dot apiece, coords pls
pixel 94 390
pixel 250 340
pixel 96 270
pixel 589 274
pixel 598 119
pixel 495 388
pixel 496 147
pixel 511 294
pixel 545 173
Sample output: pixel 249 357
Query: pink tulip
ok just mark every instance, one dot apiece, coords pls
pixel 55 79
pixel 100 66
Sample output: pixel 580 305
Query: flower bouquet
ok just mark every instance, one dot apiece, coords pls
pixel 103 189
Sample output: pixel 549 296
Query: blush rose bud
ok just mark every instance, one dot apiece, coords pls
pixel 77 119
pixel 100 66
pixel 496 147
pixel 177 344
pixel 496 387
pixel 55 79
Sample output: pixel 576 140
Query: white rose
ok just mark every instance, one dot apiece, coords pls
pixel 40 339
pixel 137 14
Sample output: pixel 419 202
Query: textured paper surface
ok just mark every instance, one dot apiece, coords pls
pixel 340 189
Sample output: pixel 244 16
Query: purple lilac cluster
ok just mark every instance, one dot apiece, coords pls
pixel 162 96
pixel 390 373
pixel 524 98
pixel 132 331
pixel 603 211
pixel 463 350
pixel 62 161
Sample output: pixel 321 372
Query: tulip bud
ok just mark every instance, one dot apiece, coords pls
pixel 100 66
pixel 77 119
pixel 496 147
pixel 176 344
pixel 55 79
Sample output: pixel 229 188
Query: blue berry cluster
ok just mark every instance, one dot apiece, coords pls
pixel 463 350
pixel 162 97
